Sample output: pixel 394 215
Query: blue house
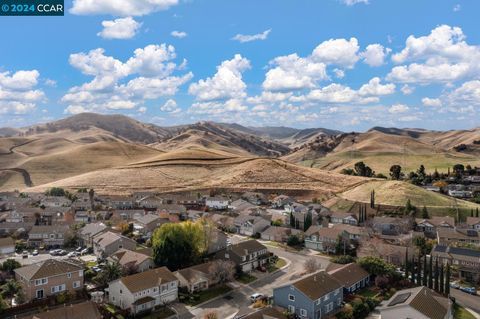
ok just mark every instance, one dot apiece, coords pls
pixel 313 297
pixel 352 276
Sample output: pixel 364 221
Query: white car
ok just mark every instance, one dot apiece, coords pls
pixel 255 297
pixel 72 254
pixel 84 251
pixel 35 252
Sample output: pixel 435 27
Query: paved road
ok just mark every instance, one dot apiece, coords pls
pixel 466 300
pixel 227 307
pixel 40 257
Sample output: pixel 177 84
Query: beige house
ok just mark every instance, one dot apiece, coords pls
pixel 50 277
pixel 144 291
pixel 7 246
pixel 107 243
pixel 419 303
pixel 196 278
pixel 48 236
pixel 87 309
pixel 127 258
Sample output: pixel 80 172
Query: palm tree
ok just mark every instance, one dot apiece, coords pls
pixel 10 288
pixel 111 271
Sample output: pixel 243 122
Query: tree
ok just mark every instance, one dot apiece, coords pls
pixel 376 266
pixel 293 240
pixel 425 213
pixel 308 221
pixel 363 170
pixel 407 264
pixel 421 173
pixel 430 273
pixel 436 274
pixel 442 280
pixel 55 191
pixel 292 220
pixel 222 271
pixel 425 272
pixel 458 169
pixel 91 195
pixel 396 172
pixel 344 259
pixel 111 271
pixel 178 245
pixel 10 265
pixel 372 200
pixel 419 270
pixel 311 265
pixel 10 288
pixel 409 208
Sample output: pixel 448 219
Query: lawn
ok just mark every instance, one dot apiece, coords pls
pixel 246 278
pixel 367 292
pixel 462 313
pixel 279 264
pixel 202 296
pixel 91 264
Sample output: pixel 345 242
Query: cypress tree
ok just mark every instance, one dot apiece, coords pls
pixel 292 220
pixel 471 212
pixel 430 273
pixel 442 280
pixel 419 270
pixel 435 282
pixel 413 270
pixel 425 272
pixel 447 281
pixel 477 211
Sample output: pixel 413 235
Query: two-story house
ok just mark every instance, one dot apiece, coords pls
pixel 467 261
pixel 144 291
pixel 48 236
pixel 352 277
pixel 55 201
pixel 218 203
pixel 343 218
pixel 473 222
pixel 246 255
pixel 50 277
pixel 89 231
pixel 107 243
pixel 149 222
pixel 429 226
pixel 313 297
pixel 132 260
pixel 323 239
pixel 447 236
pixel 250 225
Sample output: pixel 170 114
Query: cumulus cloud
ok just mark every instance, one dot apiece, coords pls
pixel 374 54
pixel 178 34
pixel 18 94
pixel 122 28
pixel 354 2
pixel 375 88
pixel 407 89
pixel 242 38
pixel 152 65
pixel 442 56
pixel 398 108
pixel 339 52
pixel 170 106
pixel 431 102
pixel 226 84
pixel 122 8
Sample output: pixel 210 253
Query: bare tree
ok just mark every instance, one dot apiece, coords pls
pixel 311 265
pixel 222 271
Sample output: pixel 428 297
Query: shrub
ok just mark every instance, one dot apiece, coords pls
pixel 344 259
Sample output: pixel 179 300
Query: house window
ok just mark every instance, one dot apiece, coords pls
pixel 291 309
pixel 154 290
pixel 291 297
pixel 80 273
pixel 329 307
pixel 303 312
pixel 120 290
pixel 69 275
pixel 39 282
pixel 76 284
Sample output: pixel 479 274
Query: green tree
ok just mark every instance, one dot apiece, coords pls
pixel 430 273
pixel 293 240
pixel 376 266
pixel 111 271
pixel 419 270
pixel 447 280
pixel 178 245
pixel 409 208
pixel 363 170
pixel 292 220
pixel 435 278
pixel 425 213
pixel 10 288
pixel 308 221
pixel 396 172
pixel 425 272
pixel 442 280
pixel 10 265
pixel 55 191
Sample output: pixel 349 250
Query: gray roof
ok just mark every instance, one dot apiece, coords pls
pixel 48 268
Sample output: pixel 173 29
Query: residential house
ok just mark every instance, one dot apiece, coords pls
pixel 250 225
pixel 429 226
pixel 196 278
pixel 419 303
pixel 224 222
pixel 321 238
pixel 343 218
pixel 466 260
pixel 391 225
pixel 240 205
pixel 247 255
pixel 119 202
pixel 86 309
pixel 352 277
pixel 82 216
pixel 132 260
pixel 7 246
pixel 447 236
pixel 144 291
pixel 11 228
pixel 55 201
pixel 217 203
pixel 50 277
pixel 150 202
pixel 217 242
pixel 48 236
pixel 375 247
pixel 107 243
pixel 263 313
pixel 148 223
pixel 473 222
pixel 280 234
pixel 314 297
pixel 89 231
pixel 281 200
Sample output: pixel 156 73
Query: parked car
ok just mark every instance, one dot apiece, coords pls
pixel 96 269
pixel 72 254
pixel 255 297
pixel 79 249
pixel 35 252
pixel 84 251
pixel 62 252
pixel 469 290
pixel 25 254
pixel 454 285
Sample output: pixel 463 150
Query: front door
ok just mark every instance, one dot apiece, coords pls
pixel 40 294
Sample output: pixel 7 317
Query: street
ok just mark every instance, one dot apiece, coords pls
pixel 466 300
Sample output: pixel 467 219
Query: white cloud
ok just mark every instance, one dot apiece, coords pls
pixel 293 73
pixel 142 110
pixel 226 84
pixel 153 65
pixel 336 93
pixel 340 52
pixel 354 2
pixel 375 88
pixel 442 56
pixel 17 92
pixel 50 82
pixel 375 54
pixel 457 8
pixel 170 106
pixel 468 94
pixel 178 34
pixel 407 89
pixel 398 108
pixel 242 38
pixel 122 8
pixel 340 74
pixel 122 28
pixel 431 102
pixel 409 118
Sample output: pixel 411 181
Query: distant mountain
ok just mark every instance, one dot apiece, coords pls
pixel 8 131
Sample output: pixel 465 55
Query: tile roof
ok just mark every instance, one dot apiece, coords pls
pixel 125 257
pixel 148 279
pixel 246 247
pixel 317 285
pixel 6 242
pixel 473 220
pixel 266 313
pixel 48 268
pixel 349 274
pixel 83 310
pixel 107 238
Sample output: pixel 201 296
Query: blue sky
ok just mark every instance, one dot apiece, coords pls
pixel 341 64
